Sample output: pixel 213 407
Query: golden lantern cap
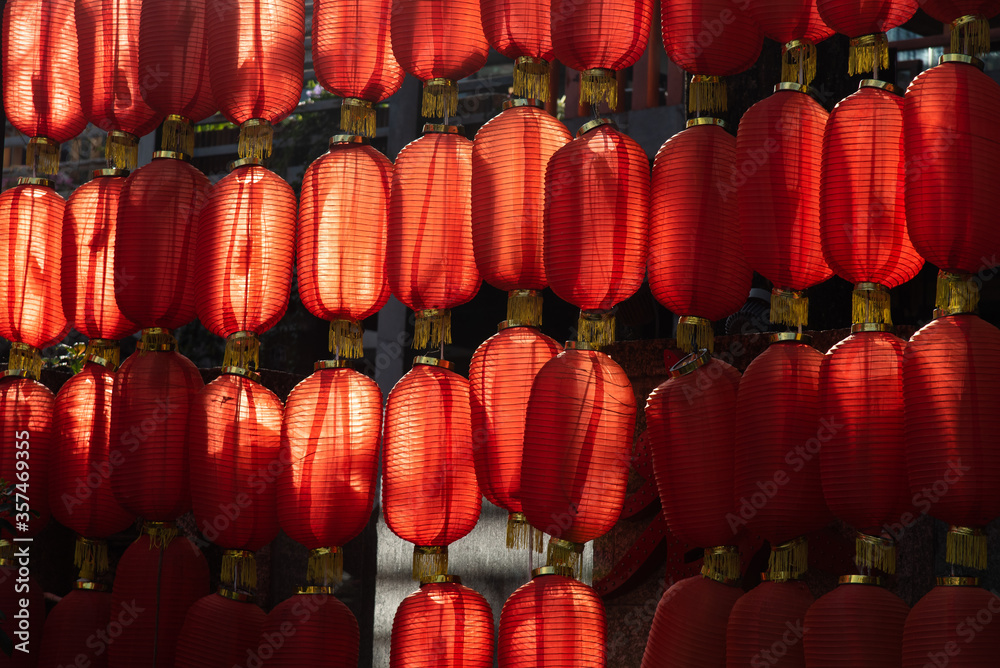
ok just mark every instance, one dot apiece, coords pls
pixel 441 128
pixel 100 361
pixel 957 582
pixel 579 345
pixel 233 595
pixel 594 124
pixel 243 162
pixel 706 120
pixel 333 364
pixel 35 181
pixel 779 576
pixel 173 155
pixel 884 85
pixel 423 360
pixel 441 579
pixel 110 172
pixel 523 102
pixel 691 363
pixel 961 58
pixel 792 86
pixel 314 589
pixel 785 337
pixel 860 579
pixel 564 571
pixel 859 327
pixel 337 140
pixel 240 371
pixel 91 586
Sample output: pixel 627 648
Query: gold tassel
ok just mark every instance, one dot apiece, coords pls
pixel 239 570
pixel 599 85
pixel 866 52
pixel 326 566
pixel 26 360
pixel 346 339
pixel 874 552
pixel 178 135
pixel 791 557
pixel 43 155
pixel 520 534
pixel 566 553
pixel 108 350
pixel 531 78
pixel 694 334
pixel 256 138
pixel 440 98
pixel 357 117
pixel 870 304
pixel 122 150
pixel 798 56
pixel 156 339
pixel 242 351
pixel 432 328
pixel 970 35
pixel 957 293
pixel 6 552
pixel 789 307
pixel 596 328
pixel 966 547
pixel 707 94
pixel 722 563
pixel 524 307
pixel 160 534
pixel 91 557
pixel 429 561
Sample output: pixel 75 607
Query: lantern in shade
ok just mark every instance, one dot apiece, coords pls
pixel 691 430
pixel 429 492
pixel 442 625
pixel 255 62
pixel 439 52
pixel 947 626
pixel 509 156
pixel 696 265
pixel 949 371
pixel 761 620
pixel 689 627
pixel 330 436
pixel 341 239
pixel 778 412
pixel 430 259
pixel 953 152
pixel 779 200
pixel 26 426
pixel 858 624
pixel 173 60
pixel 219 630
pixel 798 27
pixel 522 32
pixel 110 79
pixel 12 596
pixel 867 23
pixel 597 38
pixel 326 631
pixel 970 22
pixel 501 373
pixel 732 46
pixel 863 214
pixel 596 227
pixel 158 579
pixel 72 623
pixel 41 77
pixel 352 56
pixel 554 620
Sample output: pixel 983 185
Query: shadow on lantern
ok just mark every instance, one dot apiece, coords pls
pixel 924 500
pixel 272 641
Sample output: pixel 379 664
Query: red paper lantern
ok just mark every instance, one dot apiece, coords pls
pixel 442 625
pixel 597 38
pixel 41 77
pixel 500 375
pixel 430 262
pixel 949 371
pixel 779 152
pixel 554 620
pixel 255 62
pixel 341 239
pixel 330 436
pixel 866 23
pixel 952 625
pixel 26 408
pixel 696 265
pixel 78 618
pixel 509 156
pixel 352 56
pixel 219 630
pixel 439 43
pixel 766 626
pixel 521 31
pixel 798 27
pixel 325 632
pixel 689 627
pixel 12 594
pixel 858 624
pixel 970 22
pixel 111 82
pixel 596 224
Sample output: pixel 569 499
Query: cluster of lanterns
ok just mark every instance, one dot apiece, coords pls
pixel 544 431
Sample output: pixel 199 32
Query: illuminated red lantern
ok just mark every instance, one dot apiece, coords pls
pixel 219 630
pixel 442 625
pixel 596 224
pixel 949 372
pixel 766 625
pixel 867 23
pixel 41 77
pixel 696 264
pixel 597 38
pixel 521 31
pixel 509 156
pixel 76 619
pixel 779 150
pixel 500 375
pixel 858 624
pixel 439 52
pixel 798 27
pixel 554 620
pixel 689 627
pixel 11 599
pixel 970 22
pixel 430 496
pixel 26 408
pixel 341 239
pixel 330 436
pixel 110 78
pixel 430 261
pixel 951 625
pixel 352 56
pixel 326 632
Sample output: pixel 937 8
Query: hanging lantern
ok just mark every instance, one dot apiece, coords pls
pixel 330 436
pixel 952 153
pixel 858 624
pixel 578 436
pixel 710 39
pixel 596 225
pixel 970 22
pixel 689 627
pixel 509 156
pixel 949 372
pixel 798 27
pixel 521 31
pixel 863 214
pixel 554 620
pixel 947 626
pixel 500 375
pixel 691 430
pixel 430 262
pixel 780 143
pixel 41 77
pixel 439 51
pixel 219 630
pixel 110 78
pixel 766 624
pixel 429 492
pixel 158 578
pixel 867 23
pixel 442 625
pixel 13 595
pixel 352 56
pixel 72 623
pixel 696 265
pixel 597 38
pixel 341 239
pixel 326 632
